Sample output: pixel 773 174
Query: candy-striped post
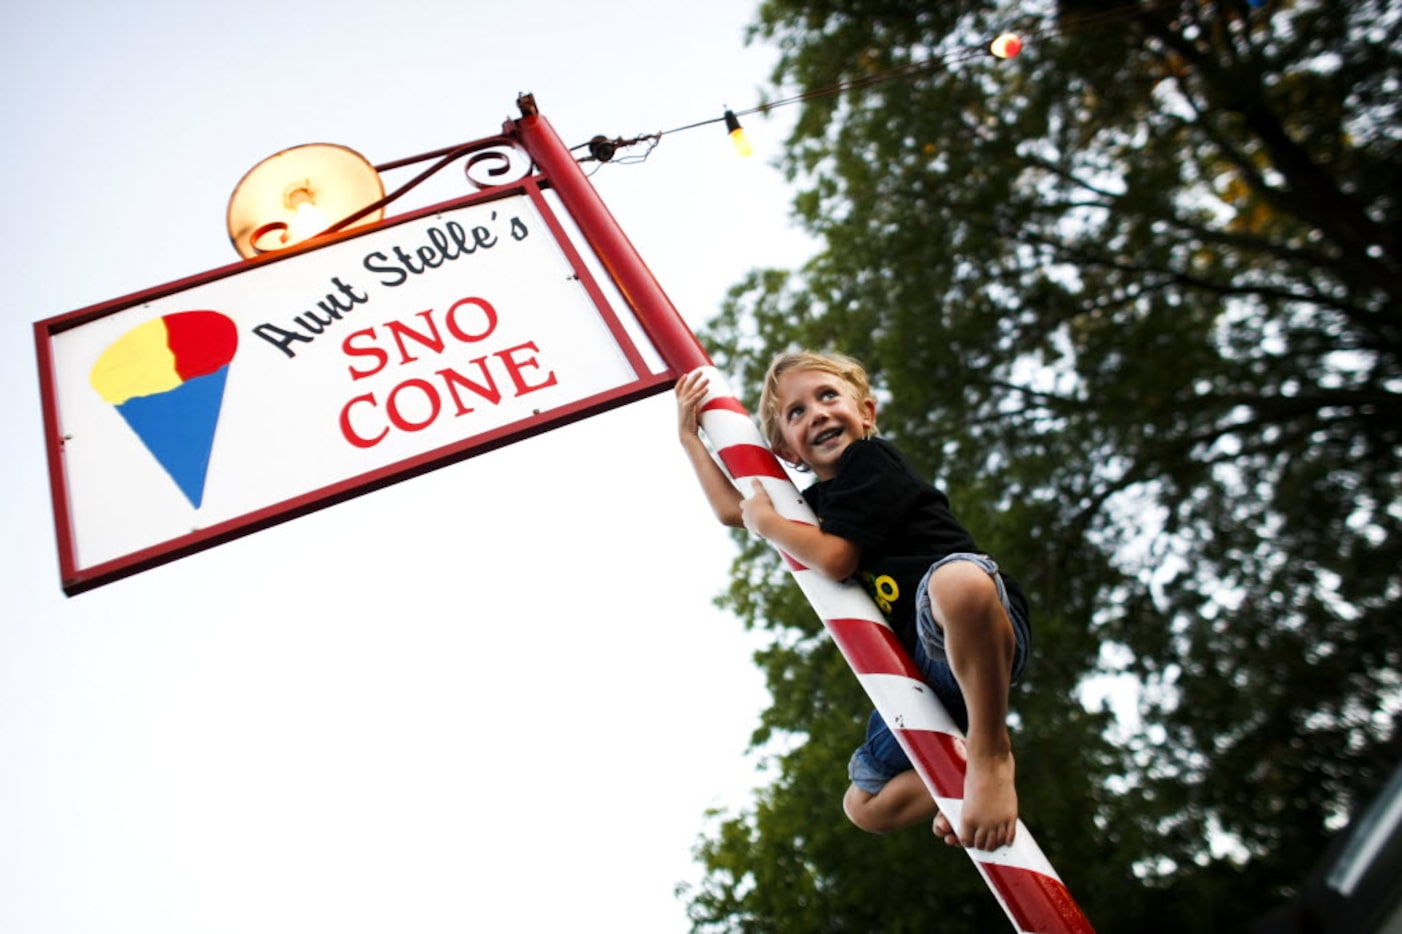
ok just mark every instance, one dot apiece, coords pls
pixel 1024 882
pixel 1019 875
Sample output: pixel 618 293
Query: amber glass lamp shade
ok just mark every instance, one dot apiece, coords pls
pixel 298 193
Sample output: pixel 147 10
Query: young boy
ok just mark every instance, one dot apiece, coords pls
pixel 963 623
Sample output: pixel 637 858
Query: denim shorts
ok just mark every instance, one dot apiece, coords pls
pixel 881 758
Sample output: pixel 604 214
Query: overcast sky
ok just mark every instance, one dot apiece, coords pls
pixel 493 698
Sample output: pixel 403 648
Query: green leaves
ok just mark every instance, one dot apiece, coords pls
pixel 1133 299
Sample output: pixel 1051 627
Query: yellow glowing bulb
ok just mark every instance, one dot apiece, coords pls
pixel 737 134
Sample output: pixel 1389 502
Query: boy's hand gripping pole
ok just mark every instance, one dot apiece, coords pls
pixel 1031 893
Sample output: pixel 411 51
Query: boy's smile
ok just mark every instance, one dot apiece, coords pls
pixel 819 418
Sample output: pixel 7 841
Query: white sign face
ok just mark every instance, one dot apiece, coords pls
pixel 306 378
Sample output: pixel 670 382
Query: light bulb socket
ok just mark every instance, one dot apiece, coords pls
pixel 298 194
pixel 602 148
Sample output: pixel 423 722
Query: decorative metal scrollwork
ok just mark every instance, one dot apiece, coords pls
pixel 501 164
pixel 489 163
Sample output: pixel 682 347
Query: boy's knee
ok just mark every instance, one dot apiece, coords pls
pixel 856 804
pixel 961 590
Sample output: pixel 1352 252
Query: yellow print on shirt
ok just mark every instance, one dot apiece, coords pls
pixel 884 591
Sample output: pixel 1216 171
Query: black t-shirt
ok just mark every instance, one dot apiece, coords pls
pixel 901 522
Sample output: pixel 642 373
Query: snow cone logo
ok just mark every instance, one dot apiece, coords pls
pixel 166 378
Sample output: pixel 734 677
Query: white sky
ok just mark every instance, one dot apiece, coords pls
pixel 495 698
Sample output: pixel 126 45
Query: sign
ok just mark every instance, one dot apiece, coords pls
pixel 196 412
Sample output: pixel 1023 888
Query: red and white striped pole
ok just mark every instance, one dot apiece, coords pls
pixel 1019 875
pixel 1021 878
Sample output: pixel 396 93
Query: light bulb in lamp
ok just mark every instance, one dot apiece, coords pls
pixel 295 195
pixel 308 219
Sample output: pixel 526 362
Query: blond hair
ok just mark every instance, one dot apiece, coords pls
pixel 852 374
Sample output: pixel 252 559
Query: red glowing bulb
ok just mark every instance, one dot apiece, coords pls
pixel 1007 45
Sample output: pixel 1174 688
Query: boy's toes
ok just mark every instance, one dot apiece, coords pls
pixel 996 837
pixel 944 831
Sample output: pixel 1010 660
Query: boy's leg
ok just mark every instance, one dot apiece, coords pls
pixel 886 793
pixel 980 643
pixel 903 801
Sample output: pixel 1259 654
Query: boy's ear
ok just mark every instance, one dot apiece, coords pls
pixel 869 414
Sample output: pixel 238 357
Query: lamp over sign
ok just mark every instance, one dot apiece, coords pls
pixel 297 194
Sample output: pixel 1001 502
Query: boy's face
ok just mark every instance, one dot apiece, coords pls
pixel 818 418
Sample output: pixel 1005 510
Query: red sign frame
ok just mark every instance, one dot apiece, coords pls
pixel 551 168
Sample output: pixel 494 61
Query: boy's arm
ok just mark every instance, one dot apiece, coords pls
pixel 832 556
pixel 720 492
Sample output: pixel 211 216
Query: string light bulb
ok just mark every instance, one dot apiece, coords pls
pixel 737 133
pixel 1006 46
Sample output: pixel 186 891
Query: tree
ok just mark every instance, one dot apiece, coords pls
pixel 1132 299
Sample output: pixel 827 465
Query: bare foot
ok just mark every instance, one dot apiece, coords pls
pixel 990 801
pixel 944 831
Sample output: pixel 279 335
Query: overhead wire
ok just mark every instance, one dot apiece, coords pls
pixel 909 70
pixel 603 149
